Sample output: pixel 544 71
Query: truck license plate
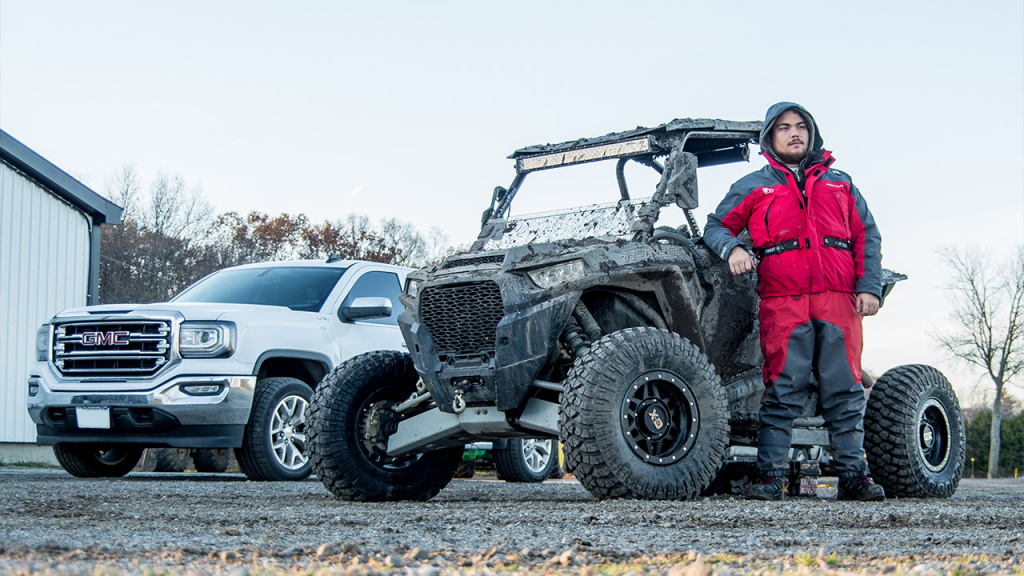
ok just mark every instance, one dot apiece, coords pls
pixel 93 416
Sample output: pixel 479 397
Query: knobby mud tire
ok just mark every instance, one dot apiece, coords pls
pixel 210 459
pixel 914 434
pixel 594 409
pixel 341 460
pixel 257 457
pixel 171 459
pixel 511 466
pixel 92 461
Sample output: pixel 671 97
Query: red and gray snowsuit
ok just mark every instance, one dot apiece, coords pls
pixel 817 247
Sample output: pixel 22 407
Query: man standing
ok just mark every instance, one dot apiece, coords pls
pixel 819 271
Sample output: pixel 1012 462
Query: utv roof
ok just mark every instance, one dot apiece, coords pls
pixel 712 141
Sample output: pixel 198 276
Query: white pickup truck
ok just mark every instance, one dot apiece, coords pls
pixel 230 362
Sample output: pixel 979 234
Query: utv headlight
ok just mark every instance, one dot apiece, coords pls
pixel 557 274
pixel 206 340
pixel 43 343
pixel 412 287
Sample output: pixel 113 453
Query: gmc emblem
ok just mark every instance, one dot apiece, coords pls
pixel 112 338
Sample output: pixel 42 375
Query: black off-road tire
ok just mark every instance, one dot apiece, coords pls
pixel 171 459
pixel 914 434
pixel 636 382
pixel 524 460
pixel 338 418
pixel 274 445
pixel 210 459
pixel 93 461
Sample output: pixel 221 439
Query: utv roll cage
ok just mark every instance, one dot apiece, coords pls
pixel 687 143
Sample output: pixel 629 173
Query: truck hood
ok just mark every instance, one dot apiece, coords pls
pixel 188 310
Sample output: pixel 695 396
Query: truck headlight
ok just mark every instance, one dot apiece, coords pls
pixel 557 274
pixel 43 343
pixel 412 287
pixel 197 340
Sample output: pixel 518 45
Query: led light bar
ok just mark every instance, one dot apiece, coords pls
pixel 580 155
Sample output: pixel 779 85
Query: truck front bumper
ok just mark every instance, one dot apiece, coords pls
pixel 186 412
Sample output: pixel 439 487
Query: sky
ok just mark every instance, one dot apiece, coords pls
pixel 409 110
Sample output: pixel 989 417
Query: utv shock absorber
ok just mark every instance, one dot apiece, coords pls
pixel 573 338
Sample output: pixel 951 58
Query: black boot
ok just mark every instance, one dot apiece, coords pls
pixel 766 488
pixel 861 488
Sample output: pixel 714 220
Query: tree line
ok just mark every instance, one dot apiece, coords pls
pixel 170 237
pixel 979 439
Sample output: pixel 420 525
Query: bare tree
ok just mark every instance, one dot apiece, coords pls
pixel 988 311
pixel 160 246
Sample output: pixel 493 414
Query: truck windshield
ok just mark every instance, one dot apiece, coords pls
pixel 297 288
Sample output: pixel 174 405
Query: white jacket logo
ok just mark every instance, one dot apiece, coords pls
pixel 768 190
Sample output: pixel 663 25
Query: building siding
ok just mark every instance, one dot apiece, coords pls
pixel 44 268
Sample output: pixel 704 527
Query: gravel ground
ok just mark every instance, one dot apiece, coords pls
pixel 51 523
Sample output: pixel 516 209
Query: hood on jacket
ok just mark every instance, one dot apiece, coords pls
pixel 817 146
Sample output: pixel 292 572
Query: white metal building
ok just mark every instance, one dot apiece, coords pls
pixel 49 261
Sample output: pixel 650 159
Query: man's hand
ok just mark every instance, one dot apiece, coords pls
pixel 867 303
pixel 740 261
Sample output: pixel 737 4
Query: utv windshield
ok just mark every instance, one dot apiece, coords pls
pixel 296 287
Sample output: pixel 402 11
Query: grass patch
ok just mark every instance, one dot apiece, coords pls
pixel 32 465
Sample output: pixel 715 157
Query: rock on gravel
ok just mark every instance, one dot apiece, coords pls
pixel 53 523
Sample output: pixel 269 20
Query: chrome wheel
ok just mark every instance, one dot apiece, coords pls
pixel 537 454
pixel 288 432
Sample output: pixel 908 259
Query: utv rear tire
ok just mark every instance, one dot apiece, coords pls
pixel 644 415
pixel 274 442
pixel 353 467
pixel 171 459
pixel 914 434
pixel 526 460
pixel 94 461
pixel 210 459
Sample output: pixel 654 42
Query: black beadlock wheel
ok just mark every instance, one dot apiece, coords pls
pixel 914 434
pixel 274 445
pixel 347 439
pixel 95 461
pixel 644 415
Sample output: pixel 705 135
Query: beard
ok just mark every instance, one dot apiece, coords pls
pixel 789 156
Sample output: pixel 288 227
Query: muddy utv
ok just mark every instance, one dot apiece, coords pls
pixel 628 340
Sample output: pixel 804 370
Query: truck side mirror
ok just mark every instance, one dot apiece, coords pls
pixel 366 308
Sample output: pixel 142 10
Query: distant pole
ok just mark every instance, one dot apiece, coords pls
pixel 972 467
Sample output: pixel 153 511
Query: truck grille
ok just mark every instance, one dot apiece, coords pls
pixel 106 349
pixel 462 319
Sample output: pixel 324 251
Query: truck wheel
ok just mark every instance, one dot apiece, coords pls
pixel 347 434
pixel 171 459
pixel 274 442
pixel 644 415
pixel 94 461
pixel 526 460
pixel 914 433
pixel 210 459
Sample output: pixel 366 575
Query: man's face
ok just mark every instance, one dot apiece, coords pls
pixel 790 137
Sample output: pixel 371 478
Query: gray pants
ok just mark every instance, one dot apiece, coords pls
pixel 814 348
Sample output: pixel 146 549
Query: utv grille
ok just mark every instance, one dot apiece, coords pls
pixel 111 348
pixel 491 259
pixel 462 319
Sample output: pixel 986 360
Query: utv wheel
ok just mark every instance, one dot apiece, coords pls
pixel 210 459
pixel 93 461
pixel 528 460
pixel 274 442
pixel 348 417
pixel 644 416
pixel 914 433
pixel 171 459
